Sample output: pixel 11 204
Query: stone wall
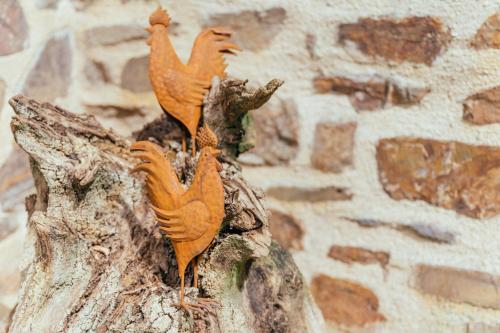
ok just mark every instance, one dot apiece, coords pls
pixel 380 155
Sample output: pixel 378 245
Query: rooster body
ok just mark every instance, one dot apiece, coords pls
pixel 180 88
pixel 190 218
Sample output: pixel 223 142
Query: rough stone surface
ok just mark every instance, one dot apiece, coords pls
pixel 488 35
pixel 484 107
pixel 112 35
pixel 413 39
pixel 345 302
pixel 328 193
pixel 352 254
pixel 135 75
pixel 446 174
pixel 276 135
pixel 286 230
pixel 15 180
pixel 51 75
pixel 254 30
pixel 371 94
pixel 459 285
pixel 13 28
pixel 333 146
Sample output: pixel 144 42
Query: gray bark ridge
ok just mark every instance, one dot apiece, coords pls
pixel 96 261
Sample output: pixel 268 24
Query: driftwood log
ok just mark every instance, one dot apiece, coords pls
pixel 96 261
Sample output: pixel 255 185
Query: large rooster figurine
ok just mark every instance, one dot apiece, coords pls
pixel 190 218
pixel 180 88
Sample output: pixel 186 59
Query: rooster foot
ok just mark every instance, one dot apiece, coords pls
pixel 202 306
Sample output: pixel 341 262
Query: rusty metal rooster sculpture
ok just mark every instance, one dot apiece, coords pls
pixel 180 88
pixel 190 218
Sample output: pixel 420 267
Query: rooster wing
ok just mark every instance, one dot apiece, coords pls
pixel 187 223
pixel 207 59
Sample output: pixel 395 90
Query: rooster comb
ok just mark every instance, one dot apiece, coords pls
pixel 206 137
pixel 159 16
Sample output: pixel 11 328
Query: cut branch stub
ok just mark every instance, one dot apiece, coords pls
pixel 226 109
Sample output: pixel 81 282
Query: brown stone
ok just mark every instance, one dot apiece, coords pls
pixel 51 76
pixel 13 28
pixel 254 30
pixel 371 94
pixel 484 107
pixel 459 285
pixel 116 34
pixel 286 230
pixel 414 39
pixel 135 75
pixel 482 328
pixel 351 254
pixel 333 146
pixel 446 174
pixel 345 302
pixel 96 72
pixel 488 35
pixel 16 181
pixel 418 230
pixel 329 193
pixel 276 135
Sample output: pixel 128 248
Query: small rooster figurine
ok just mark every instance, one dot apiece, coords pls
pixel 180 88
pixel 192 218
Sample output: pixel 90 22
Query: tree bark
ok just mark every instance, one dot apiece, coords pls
pixel 96 261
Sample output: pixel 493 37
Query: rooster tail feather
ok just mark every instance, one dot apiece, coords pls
pixel 161 180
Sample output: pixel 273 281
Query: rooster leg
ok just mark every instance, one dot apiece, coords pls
pixel 184 142
pixel 195 271
pixel 193 145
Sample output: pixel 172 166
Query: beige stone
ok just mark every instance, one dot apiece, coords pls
pixel 112 35
pixel 13 28
pixel 333 146
pixel 276 135
pixel 413 39
pixel 254 30
pixel 459 285
pixel 16 181
pixel 51 76
pixel 328 193
pixel 135 75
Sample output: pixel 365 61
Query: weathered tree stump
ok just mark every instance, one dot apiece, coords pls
pixel 96 261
